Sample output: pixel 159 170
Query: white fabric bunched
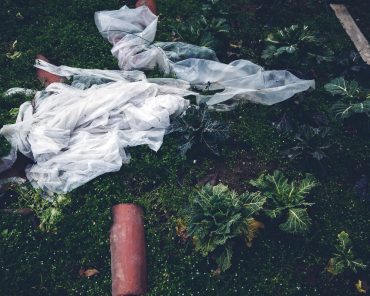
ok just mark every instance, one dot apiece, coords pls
pixel 132 32
pixel 76 132
pixel 76 135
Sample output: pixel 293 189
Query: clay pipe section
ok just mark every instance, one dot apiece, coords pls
pixel 150 3
pixel 128 254
pixel 45 77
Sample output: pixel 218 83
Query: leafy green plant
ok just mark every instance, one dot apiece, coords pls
pixel 352 98
pixel 8 114
pixel 309 142
pixel 196 127
pixel 48 209
pixel 13 113
pixel 217 216
pixel 206 28
pixel 344 259
pixel 295 45
pixel 287 200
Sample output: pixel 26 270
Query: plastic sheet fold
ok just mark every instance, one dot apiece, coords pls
pixel 132 33
pixel 76 132
pixel 74 135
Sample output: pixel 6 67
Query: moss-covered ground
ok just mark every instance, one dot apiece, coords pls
pixel 36 262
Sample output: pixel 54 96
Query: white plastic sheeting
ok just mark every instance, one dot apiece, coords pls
pixel 75 135
pixel 132 32
pixel 77 132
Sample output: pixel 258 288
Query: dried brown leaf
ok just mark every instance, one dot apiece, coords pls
pixel 88 272
pixel 254 227
pixel 361 287
pixel 181 229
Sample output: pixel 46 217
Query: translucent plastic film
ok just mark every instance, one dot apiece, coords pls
pixel 132 32
pixel 75 135
pixel 76 132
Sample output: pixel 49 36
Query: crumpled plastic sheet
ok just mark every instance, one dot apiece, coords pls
pixel 74 135
pixel 132 33
pixel 19 91
pixel 77 132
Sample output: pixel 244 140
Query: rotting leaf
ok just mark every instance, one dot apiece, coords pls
pixel 88 272
pixel 216 272
pixel 361 287
pixel 19 16
pixel 254 227
pixel 13 56
pixel 181 230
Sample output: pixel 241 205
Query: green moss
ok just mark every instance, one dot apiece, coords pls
pixel 253 128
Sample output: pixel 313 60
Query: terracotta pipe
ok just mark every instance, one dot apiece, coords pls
pixel 45 77
pixel 128 254
pixel 150 3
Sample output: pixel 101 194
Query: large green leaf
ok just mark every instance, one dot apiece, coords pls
pixel 253 202
pixel 224 260
pixel 282 189
pixel 219 189
pixel 218 215
pixel 273 186
pixel 269 52
pixel 342 110
pixel 295 44
pixel 274 213
pixel 336 266
pixel 344 259
pixel 363 107
pixel 298 221
pixel 281 194
pixel 343 241
pixel 304 188
pixel 357 264
pixel 340 86
pixel 345 110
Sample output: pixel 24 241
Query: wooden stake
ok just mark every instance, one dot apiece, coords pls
pixel 353 31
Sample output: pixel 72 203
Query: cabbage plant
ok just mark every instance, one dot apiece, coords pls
pixel 295 46
pixel 286 200
pixel 344 259
pixel 217 216
pixel 353 99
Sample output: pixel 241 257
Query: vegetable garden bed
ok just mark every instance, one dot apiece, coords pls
pixel 323 135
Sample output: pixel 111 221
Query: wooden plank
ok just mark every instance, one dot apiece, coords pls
pixel 353 31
